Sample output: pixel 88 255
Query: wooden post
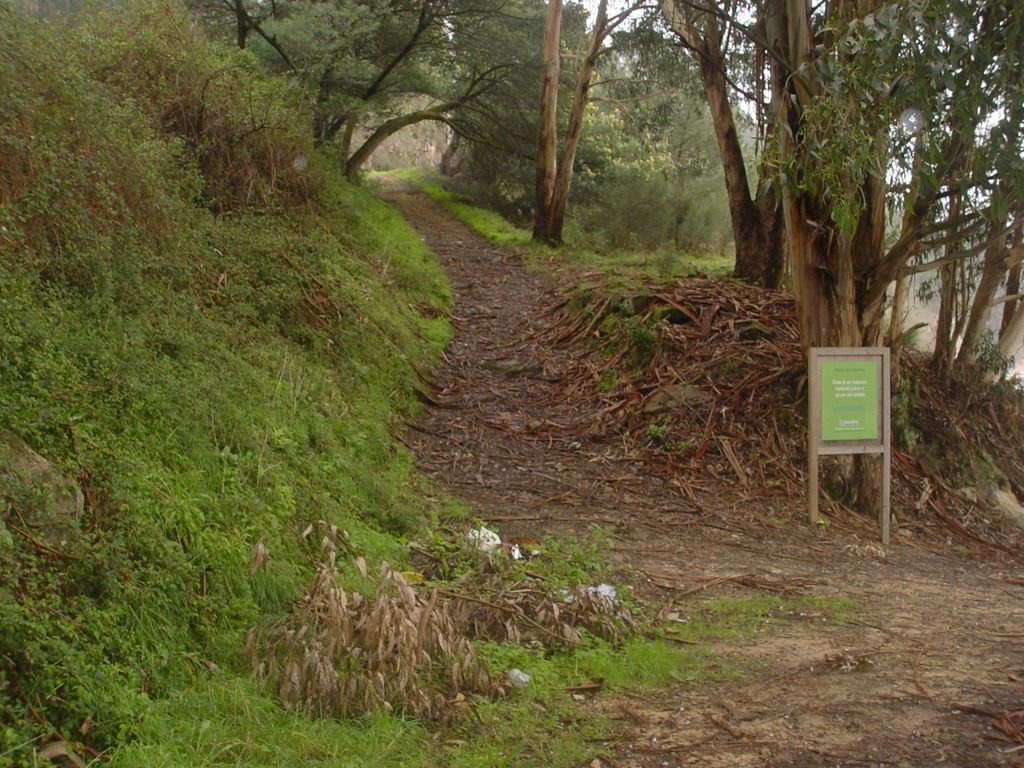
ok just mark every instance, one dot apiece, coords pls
pixel 886 448
pixel 814 423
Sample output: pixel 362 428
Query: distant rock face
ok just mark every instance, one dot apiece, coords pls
pixel 38 495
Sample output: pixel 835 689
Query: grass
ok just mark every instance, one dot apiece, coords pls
pixel 228 721
pixel 734 619
pixel 210 380
pixel 488 224
pixel 541 725
pixel 664 263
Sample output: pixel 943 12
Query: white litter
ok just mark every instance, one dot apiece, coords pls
pixel 518 679
pixel 484 539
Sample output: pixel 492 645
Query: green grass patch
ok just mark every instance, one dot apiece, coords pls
pixel 227 721
pixel 541 724
pixel 662 263
pixel 734 619
pixel 488 224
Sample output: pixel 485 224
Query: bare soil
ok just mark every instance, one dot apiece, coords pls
pixel 920 678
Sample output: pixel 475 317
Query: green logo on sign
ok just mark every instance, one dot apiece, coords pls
pixel 849 400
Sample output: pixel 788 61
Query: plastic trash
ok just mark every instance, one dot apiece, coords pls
pixel 518 679
pixel 604 590
pixel 484 539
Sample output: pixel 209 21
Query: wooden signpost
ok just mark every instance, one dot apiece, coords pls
pixel 849 414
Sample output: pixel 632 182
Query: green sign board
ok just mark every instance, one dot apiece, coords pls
pixel 850 406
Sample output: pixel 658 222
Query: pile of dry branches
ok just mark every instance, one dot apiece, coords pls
pixel 735 347
pixel 723 393
pixel 526 612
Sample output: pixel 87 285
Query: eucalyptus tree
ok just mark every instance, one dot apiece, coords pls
pixel 554 169
pixel 886 109
pixel 890 112
pixel 727 43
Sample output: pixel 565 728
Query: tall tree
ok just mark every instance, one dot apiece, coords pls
pixel 547 132
pixel 840 142
pixel 707 32
pixel 554 174
pixel 843 154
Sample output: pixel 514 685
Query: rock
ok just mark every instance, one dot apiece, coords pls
pixel 1004 501
pixel 756 331
pixel 41 496
pixel 518 679
pixel 631 306
pixel 671 397
pixel 1009 505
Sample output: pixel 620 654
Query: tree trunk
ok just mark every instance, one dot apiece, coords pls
pixel 981 305
pixel 757 226
pixel 823 279
pixel 1011 333
pixel 448 157
pixel 346 138
pixel 581 96
pixel 897 323
pixel 945 340
pixel 1012 283
pixel 547 139
pixel 757 260
pixel 241 23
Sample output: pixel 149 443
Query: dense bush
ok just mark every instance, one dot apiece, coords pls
pixel 248 133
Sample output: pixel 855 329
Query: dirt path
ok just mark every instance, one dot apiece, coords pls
pixel 936 631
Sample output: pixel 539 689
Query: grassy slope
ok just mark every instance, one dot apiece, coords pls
pixel 210 381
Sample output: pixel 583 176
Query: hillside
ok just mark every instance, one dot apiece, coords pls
pixel 205 339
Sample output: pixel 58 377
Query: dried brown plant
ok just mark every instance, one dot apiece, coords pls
pixel 525 612
pixel 340 654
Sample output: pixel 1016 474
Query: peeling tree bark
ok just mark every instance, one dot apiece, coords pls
pixel 1011 334
pixel 981 305
pixel 555 223
pixel 757 225
pixel 547 139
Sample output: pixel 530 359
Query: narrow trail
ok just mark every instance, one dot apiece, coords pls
pixel 938 642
